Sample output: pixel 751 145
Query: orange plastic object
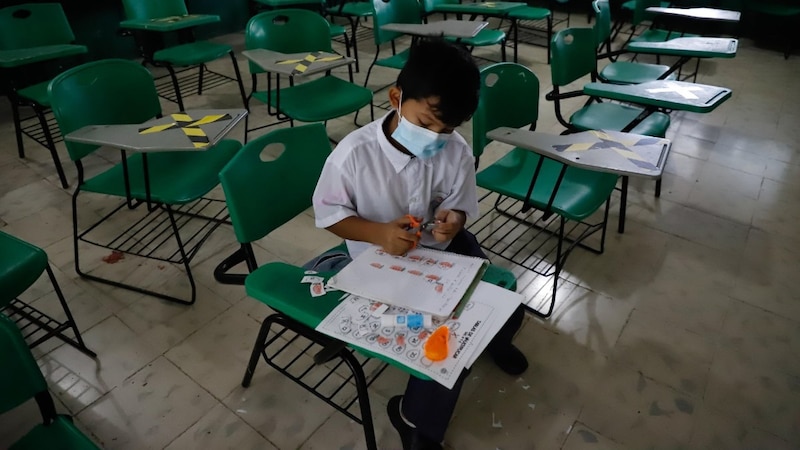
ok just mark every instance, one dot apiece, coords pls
pixel 436 345
pixel 414 225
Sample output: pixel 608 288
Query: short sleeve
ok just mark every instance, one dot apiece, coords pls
pixel 333 198
pixel 464 196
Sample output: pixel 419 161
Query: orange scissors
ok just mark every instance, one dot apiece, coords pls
pixel 419 226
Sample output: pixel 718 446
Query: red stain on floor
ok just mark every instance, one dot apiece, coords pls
pixel 113 257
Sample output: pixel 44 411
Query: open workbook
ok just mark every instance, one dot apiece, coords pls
pixel 425 280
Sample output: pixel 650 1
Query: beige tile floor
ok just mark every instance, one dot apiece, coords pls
pixel 684 334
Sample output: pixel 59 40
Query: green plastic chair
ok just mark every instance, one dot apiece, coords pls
pixel 354 12
pixel 189 53
pixel 531 13
pixel 620 72
pixel 20 381
pixel 574 57
pixel 317 100
pixel 651 34
pixel 626 12
pixel 26 27
pixel 509 97
pixel 294 173
pixel 484 38
pixel 21 264
pixel 119 91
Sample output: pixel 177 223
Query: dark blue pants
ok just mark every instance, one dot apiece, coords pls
pixel 426 403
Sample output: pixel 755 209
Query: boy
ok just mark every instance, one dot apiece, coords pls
pixel 413 162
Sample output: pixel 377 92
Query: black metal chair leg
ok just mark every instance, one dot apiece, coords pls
pixel 354 39
pixel 658 188
pixel 185 259
pixel 623 205
pixel 176 87
pixel 48 137
pixel 78 341
pixel 241 86
pixel 258 348
pixel 363 398
pixel 200 79
pixel 17 125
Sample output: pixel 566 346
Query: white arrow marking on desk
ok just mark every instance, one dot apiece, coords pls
pixel 684 91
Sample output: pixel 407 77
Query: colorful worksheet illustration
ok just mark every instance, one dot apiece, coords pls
pixel 425 280
pixel 357 321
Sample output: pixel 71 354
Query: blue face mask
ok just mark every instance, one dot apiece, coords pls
pixel 421 142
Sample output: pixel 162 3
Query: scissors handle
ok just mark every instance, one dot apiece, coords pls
pixel 414 225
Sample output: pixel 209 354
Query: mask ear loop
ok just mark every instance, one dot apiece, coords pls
pixel 400 106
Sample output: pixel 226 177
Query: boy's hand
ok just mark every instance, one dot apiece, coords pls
pixel 448 224
pixel 395 237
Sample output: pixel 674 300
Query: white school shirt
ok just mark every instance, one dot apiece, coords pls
pixel 366 176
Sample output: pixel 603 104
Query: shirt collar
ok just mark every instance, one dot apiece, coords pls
pixel 398 159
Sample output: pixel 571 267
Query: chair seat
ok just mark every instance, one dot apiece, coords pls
pixel 337 30
pixel 356 9
pixel 580 194
pixel 192 53
pixel 21 264
pixel 482 39
pixel 613 116
pixel 300 101
pixel 36 93
pixel 529 13
pixel 397 61
pixel 199 173
pixel 499 276
pixel 61 434
pixel 626 72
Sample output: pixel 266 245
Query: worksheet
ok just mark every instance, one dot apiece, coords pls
pixel 425 280
pixel 357 321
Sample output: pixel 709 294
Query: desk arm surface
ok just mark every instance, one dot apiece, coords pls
pixel 24 56
pixel 172 23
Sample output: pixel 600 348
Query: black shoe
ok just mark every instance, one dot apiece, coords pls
pixel 409 436
pixel 510 359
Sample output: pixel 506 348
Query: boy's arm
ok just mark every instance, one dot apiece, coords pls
pixel 393 237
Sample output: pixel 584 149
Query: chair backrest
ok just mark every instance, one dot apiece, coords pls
pixel 153 9
pixel 34 25
pixel 106 92
pixel 12 281
pixel 639 12
pixel 509 97
pixel 573 55
pixel 263 195
pixel 287 31
pixel 393 11
pixel 429 5
pixel 20 378
pixel 602 24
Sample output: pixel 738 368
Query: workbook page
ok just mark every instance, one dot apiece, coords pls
pixel 424 280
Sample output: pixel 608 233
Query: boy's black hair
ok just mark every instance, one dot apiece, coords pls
pixel 436 68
